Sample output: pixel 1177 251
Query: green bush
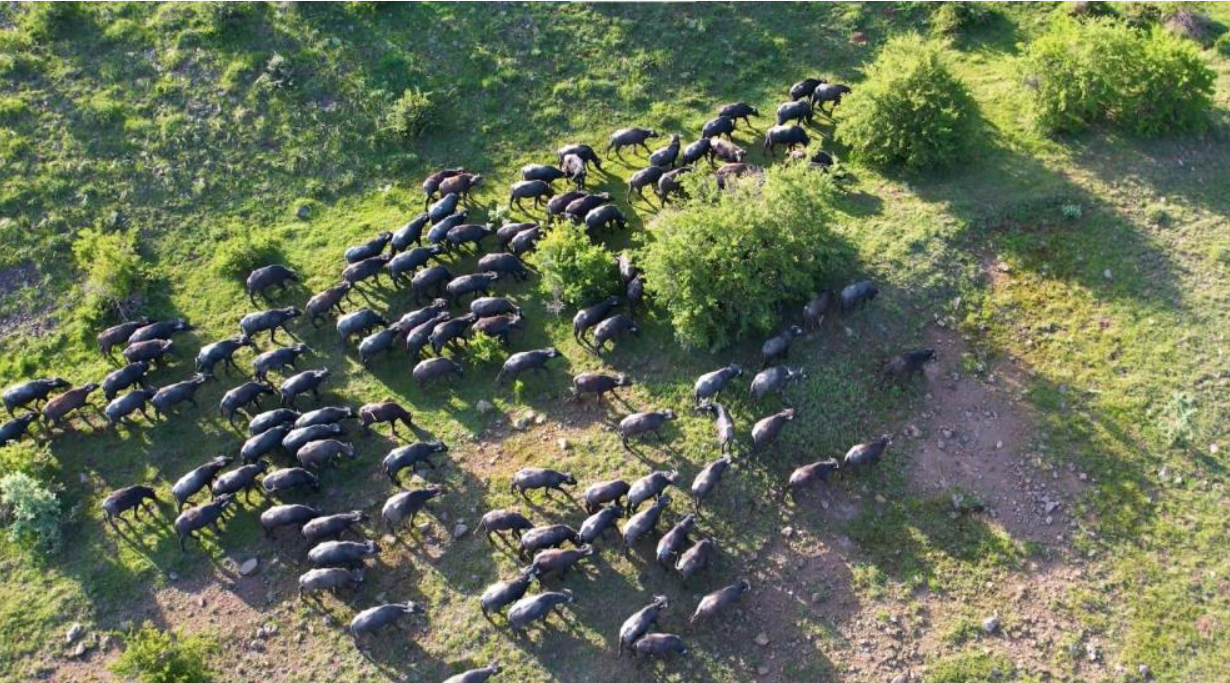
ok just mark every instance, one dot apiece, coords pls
pixel 574 269
pixel 28 457
pixel 722 263
pixel 31 511
pixel 1222 44
pixel 243 253
pixel 910 110
pixel 50 20
pixel 154 656
pixel 951 17
pixel 1147 83
pixel 114 270
pixel 408 116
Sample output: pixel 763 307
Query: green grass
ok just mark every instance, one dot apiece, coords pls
pixel 177 121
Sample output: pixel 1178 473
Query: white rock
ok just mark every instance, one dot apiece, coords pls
pixel 762 639
pixel 460 530
pixel 990 625
pixel 484 406
pixel 74 632
pixel 249 566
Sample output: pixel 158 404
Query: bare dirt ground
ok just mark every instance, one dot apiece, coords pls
pixel 975 436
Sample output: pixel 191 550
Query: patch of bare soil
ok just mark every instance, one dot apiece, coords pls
pixel 975 436
pixel 21 318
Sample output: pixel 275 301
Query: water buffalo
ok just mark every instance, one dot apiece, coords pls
pixel 198 479
pixel 330 299
pixel 790 136
pixel 518 363
pixel 261 280
pixel 194 519
pixel 385 411
pixel 270 321
pixel 587 154
pixel 738 110
pixel 642 423
pixel 629 137
pixel 722 125
pixel 277 360
pixel 31 393
pixel 118 335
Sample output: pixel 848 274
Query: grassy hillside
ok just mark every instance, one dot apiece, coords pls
pixel 195 124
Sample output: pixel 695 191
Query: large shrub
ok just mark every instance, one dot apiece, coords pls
pixel 31 511
pixel 408 116
pixel 910 110
pixel 574 270
pixel 723 263
pixel 1149 83
pixel 154 656
pixel 114 270
pixel 243 253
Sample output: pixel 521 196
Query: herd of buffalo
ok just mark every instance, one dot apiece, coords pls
pixel 315 438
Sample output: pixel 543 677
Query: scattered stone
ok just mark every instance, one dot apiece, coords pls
pixel 913 431
pixel 539 418
pixel 901 678
pixel 1144 671
pixel 563 444
pixel 762 639
pixel 947 433
pixel 303 212
pixel 80 650
pixel 787 531
pixel 172 576
pixel 1091 652
pixel 249 566
pixel 256 645
pixel 460 530
pixel 1051 506
pixel 484 406
pixel 763 670
pixel 74 632
pixel 1107 274
pixel 990 625
pixel 999 445
pixel 200 602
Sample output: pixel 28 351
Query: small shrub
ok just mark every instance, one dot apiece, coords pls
pixel 278 73
pixel 408 116
pixel 1148 83
pixel 1179 419
pixel 28 457
pixel 485 350
pixel 951 17
pixel 573 268
pixel 1158 214
pixel 910 110
pixel 243 253
pixel 722 263
pixel 31 511
pixel 1142 15
pixel 1071 212
pixel 103 109
pixel 1090 8
pixel 154 656
pixel 46 21
pixel 114 270
pixel 13 108
pixel 1222 44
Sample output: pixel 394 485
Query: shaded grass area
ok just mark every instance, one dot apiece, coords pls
pixel 203 148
